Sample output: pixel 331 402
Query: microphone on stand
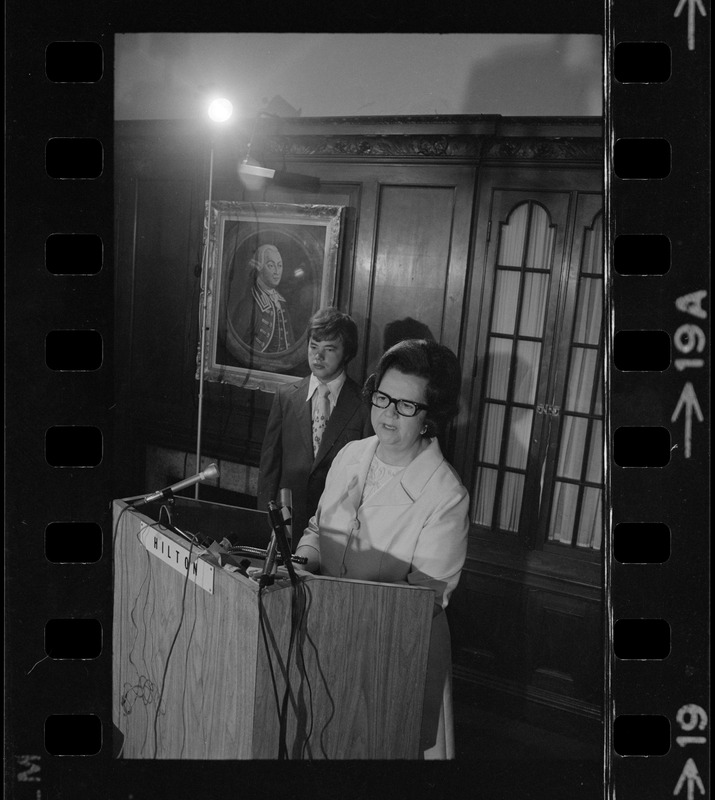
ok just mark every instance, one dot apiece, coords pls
pixel 164 494
pixel 286 501
pixel 278 525
pixel 271 553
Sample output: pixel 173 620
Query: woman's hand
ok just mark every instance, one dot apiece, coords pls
pixel 313 563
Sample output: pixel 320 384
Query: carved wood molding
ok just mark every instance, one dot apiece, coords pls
pixel 546 149
pixel 371 147
pixel 439 146
pixel 393 138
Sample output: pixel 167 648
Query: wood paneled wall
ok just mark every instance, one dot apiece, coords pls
pixel 414 237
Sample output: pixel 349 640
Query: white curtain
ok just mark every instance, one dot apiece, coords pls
pixel 511 494
pixel 590 529
pixel 582 374
pixel 533 304
pixel 541 240
pixel 485 492
pixel 589 311
pixel 499 360
pixel 594 468
pixel 519 436
pixel 563 512
pixel 573 440
pixel 506 298
pixel 528 357
pixel 592 260
pixel 492 427
pixel 513 237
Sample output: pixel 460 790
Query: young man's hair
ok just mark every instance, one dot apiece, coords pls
pixel 331 323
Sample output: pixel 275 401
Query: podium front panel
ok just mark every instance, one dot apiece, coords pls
pixel 184 659
pixel 200 672
pixel 357 681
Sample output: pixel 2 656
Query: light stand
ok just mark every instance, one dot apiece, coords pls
pixel 219 111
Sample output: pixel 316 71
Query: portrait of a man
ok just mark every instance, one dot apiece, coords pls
pixel 263 320
pixel 272 266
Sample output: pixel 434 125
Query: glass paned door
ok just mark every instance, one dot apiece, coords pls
pixel 539 456
pixel 525 255
pixel 576 504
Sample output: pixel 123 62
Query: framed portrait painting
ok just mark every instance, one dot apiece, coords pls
pixel 271 266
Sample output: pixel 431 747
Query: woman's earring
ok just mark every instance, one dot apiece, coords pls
pixel 424 430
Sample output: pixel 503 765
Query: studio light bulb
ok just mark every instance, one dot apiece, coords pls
pixel 220 109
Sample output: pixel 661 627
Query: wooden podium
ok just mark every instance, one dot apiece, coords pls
pixel 197 676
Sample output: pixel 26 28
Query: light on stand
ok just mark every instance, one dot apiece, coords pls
pixel 219 110
pixel 252 175
pixel 254 170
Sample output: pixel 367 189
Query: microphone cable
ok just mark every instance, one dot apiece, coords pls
pixel 283 711
pixel 282 750
pixel 302 633
pixel 146 689
pixel 171 650
pixel 186 726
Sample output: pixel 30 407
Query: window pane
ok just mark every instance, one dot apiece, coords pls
pixel 541 240
pixel 517 448
pixel 499 365
pixel 512 491
pixel 571 448
pixel 513 235
pixel 590 311
pixel 590 529
pixel 592 260
pixel 527 371
pixel 594 470
pixel 581 378
pixel 533 304
pixel 563 512
pixel 484 491
pixel 506 296
pixel 490 440
pixel 598 402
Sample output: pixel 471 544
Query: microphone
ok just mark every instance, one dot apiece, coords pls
pixel 210 472
pixel 286 500
pixel 278 526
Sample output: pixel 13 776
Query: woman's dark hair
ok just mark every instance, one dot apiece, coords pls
pixel 331 323
pixel 430 360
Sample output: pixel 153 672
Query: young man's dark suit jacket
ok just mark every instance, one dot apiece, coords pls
pixel 287 460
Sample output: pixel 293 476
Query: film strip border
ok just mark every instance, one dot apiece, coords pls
pixel 61 318
pixel 59 371
pixel 658 568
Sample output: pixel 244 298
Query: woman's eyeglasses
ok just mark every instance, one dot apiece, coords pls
pixel 405 408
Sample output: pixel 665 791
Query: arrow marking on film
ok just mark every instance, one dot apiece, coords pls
pixel 691 775
pixel 690 402
pixel 691 18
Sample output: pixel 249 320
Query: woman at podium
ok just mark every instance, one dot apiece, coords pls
pixel 394 510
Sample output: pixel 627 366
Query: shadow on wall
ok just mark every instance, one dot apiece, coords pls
pixel 547 72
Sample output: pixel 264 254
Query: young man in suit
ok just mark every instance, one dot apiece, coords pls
pixel 312 420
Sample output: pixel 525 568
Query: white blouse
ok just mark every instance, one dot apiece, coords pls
pixel 392 524
pixel 378 476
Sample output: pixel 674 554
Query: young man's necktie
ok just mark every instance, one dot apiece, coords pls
pixel 321 412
